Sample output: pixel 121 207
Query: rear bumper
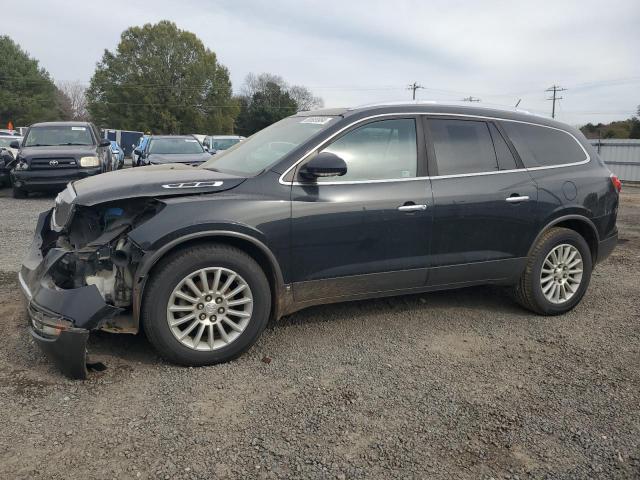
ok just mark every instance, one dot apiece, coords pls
pixel 39 180
pixel 60 319
pixel 606 246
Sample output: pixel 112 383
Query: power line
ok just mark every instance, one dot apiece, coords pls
pixel 555 89
pixel 414 86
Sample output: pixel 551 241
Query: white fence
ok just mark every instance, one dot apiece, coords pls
pixel 621 156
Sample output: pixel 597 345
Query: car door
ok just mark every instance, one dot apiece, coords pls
pixel 484 214
pixel 369 230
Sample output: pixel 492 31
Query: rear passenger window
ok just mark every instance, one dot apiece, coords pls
pixel 542 146
pixel 462 146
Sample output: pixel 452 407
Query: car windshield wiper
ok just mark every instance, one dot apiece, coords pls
pixel 39 145
pixel 71 143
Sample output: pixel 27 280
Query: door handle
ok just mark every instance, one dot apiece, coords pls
pixel 412 208
pixel 517 198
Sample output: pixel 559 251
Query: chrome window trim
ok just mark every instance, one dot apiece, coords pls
pixel 435 177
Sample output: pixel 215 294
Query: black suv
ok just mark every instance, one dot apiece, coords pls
pixel 321 207
pixel 54 153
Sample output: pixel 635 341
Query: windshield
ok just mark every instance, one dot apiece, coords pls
pixel 224 143
pixel 5 142
pixel 265 148
pixel 50 136
pixel 175 146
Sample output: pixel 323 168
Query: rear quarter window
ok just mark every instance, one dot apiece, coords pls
pixel 540 146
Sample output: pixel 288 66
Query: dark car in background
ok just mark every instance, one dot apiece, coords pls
pixel 321 207
pixel 54 153
pixel 162 149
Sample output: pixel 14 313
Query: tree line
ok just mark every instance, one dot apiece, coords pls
pixel 159 79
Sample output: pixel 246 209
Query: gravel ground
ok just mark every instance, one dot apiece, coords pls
pixel 460 384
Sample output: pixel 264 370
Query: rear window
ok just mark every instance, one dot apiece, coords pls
pixel 462 146
pixel 542 146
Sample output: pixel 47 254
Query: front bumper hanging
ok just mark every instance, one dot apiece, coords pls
pixel 60 319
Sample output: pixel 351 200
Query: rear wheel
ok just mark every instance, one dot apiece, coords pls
pixel 206 305
pixel 19 193
pixel 557 273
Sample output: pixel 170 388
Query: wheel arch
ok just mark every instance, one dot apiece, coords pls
pixel 248 244
pixel 578 223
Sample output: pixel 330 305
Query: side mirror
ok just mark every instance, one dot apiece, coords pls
pixel 206 149
pixel 104 143
pixel 137 151
pixel 14 144
pixel 324 164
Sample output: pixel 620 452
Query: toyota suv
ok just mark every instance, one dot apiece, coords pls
pixel 54 153
pixel 321 207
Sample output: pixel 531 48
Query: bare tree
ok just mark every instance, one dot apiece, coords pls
pixel 76 93
pixel 304 98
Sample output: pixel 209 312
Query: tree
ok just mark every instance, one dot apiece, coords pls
pixel 266 98
pixel 264 107
pixel 75 93
pixel 164 80
pixel 27 93
pixel 635 127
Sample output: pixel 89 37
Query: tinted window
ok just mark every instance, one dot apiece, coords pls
pixel 381 150
pixel 505 157
pixel 462 146
pixel 542 146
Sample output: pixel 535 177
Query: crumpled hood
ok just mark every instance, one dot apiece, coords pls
pixel 178 158
pixel 152 181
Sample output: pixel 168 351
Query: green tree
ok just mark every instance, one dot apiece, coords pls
pixel 27 93
pixel 635 127
pixel 267 98
pixel 264 107
pixel 164 80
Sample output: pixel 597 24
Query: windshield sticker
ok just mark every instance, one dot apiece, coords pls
pixel 82 129
pixel 317 120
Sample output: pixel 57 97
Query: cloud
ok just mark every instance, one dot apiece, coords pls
pixel 355 52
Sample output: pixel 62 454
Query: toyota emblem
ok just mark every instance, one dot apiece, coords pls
pixel 53 163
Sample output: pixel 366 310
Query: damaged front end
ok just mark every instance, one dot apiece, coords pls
pixel 78 275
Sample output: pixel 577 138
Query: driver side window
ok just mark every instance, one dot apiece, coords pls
pixel 381 150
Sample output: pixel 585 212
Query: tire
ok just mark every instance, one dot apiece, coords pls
pixel 19 193
pixel 160 294
pixel 529 293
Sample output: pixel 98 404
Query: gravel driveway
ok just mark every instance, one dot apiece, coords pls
pixel 458 385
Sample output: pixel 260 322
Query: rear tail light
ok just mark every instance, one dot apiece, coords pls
pixel 617 184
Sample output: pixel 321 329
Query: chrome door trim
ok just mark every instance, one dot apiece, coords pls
pixel 435 177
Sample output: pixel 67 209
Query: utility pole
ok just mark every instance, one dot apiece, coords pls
pixel 470 99
pixel 414 86
pixel 554 89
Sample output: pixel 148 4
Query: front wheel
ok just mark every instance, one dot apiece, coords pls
pixel 557 273
pixel 206 305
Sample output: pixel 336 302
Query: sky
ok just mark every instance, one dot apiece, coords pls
pixel 355 52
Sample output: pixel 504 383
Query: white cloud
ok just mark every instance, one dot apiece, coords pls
pixel 354 52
